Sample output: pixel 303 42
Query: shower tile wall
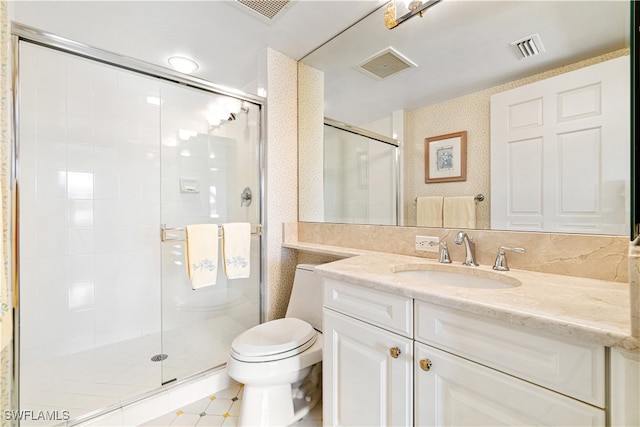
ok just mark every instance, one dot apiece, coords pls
pixel 89 168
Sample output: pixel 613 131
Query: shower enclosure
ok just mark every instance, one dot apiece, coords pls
pixel 112 160
pixel 360 176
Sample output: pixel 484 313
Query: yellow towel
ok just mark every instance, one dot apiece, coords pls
pixel 459 212
pixel 236 249
pixel 202 254
pixel 429 211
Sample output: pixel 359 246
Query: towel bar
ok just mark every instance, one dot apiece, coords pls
pixel 164 237
pixel 477 198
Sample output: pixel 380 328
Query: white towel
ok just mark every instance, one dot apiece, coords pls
pixel 429 211
pixel 202 254
pixel 459 212
pixel 236 249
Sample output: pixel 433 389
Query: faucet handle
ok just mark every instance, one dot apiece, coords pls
pixel 444 254
pixel 501 259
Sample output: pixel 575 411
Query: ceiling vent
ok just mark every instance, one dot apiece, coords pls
pixel 528 46
pixel 266 8
pixel 386 63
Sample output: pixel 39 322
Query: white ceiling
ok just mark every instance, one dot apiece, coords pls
pixel 224 37
pixel 460 46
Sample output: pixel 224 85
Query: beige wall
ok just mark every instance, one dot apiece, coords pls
pixel 6 329
pixel 281 179
pixel 311 142
pixel 470 113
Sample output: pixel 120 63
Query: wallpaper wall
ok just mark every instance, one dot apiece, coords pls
pixel 6 327
pixel 310 146
pixel 281 178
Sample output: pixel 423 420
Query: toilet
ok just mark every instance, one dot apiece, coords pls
pixel 280 361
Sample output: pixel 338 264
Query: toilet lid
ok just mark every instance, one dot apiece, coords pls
pixel 273 340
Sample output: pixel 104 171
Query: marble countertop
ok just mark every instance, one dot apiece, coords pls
pixel 589 310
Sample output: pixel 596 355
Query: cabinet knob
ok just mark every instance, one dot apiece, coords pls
pixel 425 364
pixel 395 352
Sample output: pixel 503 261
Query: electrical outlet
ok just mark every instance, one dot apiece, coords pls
pixel 427 243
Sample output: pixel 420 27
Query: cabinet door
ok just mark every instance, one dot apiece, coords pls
pixel 457 392
pixel 363 384
pixel 625 387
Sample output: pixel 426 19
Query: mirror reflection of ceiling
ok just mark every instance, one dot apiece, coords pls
pixel 225 37
pixel 460 47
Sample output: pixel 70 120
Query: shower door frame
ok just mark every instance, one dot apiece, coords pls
pixel 21 32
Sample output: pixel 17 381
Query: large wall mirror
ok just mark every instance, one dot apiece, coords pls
pixel 438 75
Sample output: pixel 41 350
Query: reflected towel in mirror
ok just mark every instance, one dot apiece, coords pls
pixel 459 212
pixel 429 211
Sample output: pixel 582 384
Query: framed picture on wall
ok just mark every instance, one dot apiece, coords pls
pixel 445 158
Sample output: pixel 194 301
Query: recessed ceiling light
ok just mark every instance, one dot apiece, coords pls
pixel 183 64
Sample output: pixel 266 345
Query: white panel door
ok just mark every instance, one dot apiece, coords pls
pixel 457 392
pixel 363 384
pixel 560 153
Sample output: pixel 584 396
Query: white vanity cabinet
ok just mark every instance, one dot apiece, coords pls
pixel 624 396
pixel 390 360
pixel 458 392
pixel 367 357
pixel 471 370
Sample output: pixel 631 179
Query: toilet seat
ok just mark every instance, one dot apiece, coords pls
pixel 274 340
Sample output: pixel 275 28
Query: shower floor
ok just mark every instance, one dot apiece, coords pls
pixel 84 382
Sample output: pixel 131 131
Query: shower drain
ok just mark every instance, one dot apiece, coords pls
pixel 159 357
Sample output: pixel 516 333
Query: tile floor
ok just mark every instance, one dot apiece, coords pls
pixel 221 409
pixel 93 379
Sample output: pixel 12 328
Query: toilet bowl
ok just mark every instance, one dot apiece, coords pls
pixel 280 361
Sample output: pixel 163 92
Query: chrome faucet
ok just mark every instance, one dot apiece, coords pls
pixel 444 254
pixel 501 260
pixel 470 248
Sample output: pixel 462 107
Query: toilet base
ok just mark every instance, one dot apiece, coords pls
pixel 280 405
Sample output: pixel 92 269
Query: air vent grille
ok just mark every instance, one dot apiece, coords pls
pixel 267 8
pixel 528 46
pixel 385 64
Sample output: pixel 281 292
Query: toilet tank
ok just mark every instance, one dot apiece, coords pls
pixel 306 296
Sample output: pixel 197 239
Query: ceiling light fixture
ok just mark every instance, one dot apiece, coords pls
pixel 183 64
pixel 399 11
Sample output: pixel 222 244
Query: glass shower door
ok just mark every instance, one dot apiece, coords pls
pixel 210 164
pixel 89 260
pixel 360 178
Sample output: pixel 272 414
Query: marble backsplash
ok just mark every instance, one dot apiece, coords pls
pixel 589 256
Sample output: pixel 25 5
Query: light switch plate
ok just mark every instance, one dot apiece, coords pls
pixel 427 243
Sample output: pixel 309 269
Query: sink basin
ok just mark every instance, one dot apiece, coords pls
pixel 478 280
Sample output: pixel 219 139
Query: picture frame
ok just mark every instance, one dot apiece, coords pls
pixel 445 158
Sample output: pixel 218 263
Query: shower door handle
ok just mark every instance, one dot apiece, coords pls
pixel 246 197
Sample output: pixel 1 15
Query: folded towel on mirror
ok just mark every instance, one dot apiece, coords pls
pixel 459 212
pixel 429 211
pixel 202 254
pixel 236 249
